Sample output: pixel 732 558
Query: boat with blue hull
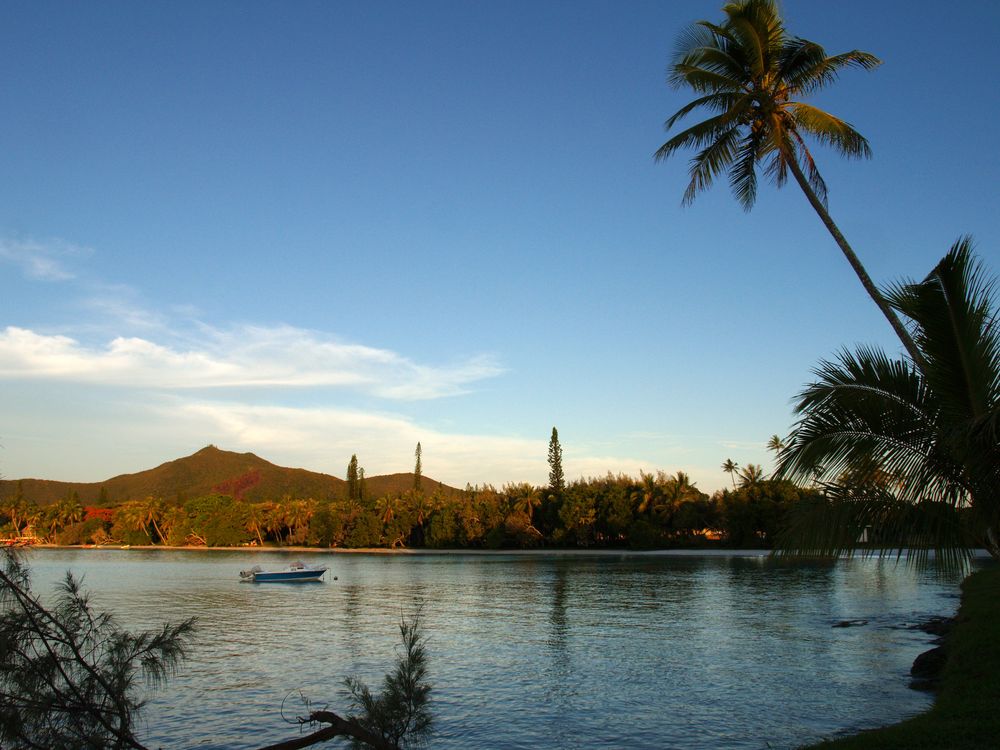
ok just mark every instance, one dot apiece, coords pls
pixel 296 572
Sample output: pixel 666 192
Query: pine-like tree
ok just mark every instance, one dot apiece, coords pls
pixel 557 480
pixel 353 484
pixel 417 471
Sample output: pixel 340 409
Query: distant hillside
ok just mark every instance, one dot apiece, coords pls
pixel 212 470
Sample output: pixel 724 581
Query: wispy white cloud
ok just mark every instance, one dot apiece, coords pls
pixel 248 356
pixel 119 306
pixel 41 261
pixel 743 445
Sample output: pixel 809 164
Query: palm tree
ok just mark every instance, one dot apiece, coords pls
pixel 731 467
pixel 775 444
pixel 680 489
pixel 151 511
pixel 422 505
pixel 932 430
pixel 751 475
pixel 387 507
pixel 521 499
pixel 298 513
pixel 650 492
pixel 254 520
pixel 275 515
pixel 751 74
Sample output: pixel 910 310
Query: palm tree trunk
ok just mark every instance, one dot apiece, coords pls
pixel 159 534
pixel 852 258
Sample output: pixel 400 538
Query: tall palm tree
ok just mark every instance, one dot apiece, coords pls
pixel 751 73
pixel 731 467
pixel 934 430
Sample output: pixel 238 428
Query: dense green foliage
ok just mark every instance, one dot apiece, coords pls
pixel 618 511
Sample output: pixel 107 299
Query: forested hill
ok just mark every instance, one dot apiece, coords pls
pixel 211 470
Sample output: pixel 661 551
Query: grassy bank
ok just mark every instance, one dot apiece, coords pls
pixel 966 714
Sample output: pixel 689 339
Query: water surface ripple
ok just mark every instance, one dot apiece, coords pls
pixel 529 651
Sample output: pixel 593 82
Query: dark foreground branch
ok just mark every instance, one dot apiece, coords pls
pixel 339 727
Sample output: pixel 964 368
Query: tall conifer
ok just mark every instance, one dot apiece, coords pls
pixel 557 481
pixel 353 485
pixel 417 470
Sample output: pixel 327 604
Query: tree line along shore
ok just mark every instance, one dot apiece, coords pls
pixel 616 511
pixel 651 511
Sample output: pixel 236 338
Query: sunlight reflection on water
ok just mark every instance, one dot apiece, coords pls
pixel 530 651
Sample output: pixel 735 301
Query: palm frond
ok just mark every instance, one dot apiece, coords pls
pixel 709 162
pixel 953 313
pixel 952 310
pixel 805 67
pixel 743 175
pixel 783 149
pixel 748 36
pixel 756 26
pixel 699 135
pixel 873 522
pixel 868 410
pixel 719 102
pixel 700 78
pixel 709 48
pixel 829 130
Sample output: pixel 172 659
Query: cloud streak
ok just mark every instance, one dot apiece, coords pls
pixel 243 357
pixel 40 261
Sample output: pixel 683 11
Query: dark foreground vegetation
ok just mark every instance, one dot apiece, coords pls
pixel 964 716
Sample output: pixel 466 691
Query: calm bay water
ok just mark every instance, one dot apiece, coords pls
pixel 531 650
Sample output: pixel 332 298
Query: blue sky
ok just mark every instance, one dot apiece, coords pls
pixel 315 229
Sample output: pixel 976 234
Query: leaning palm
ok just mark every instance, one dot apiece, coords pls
pixel 751 74
pixel 920 446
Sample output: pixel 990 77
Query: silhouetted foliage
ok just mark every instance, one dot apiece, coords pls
pixel 69 675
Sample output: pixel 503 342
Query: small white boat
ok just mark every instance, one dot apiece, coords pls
pixel 296 572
